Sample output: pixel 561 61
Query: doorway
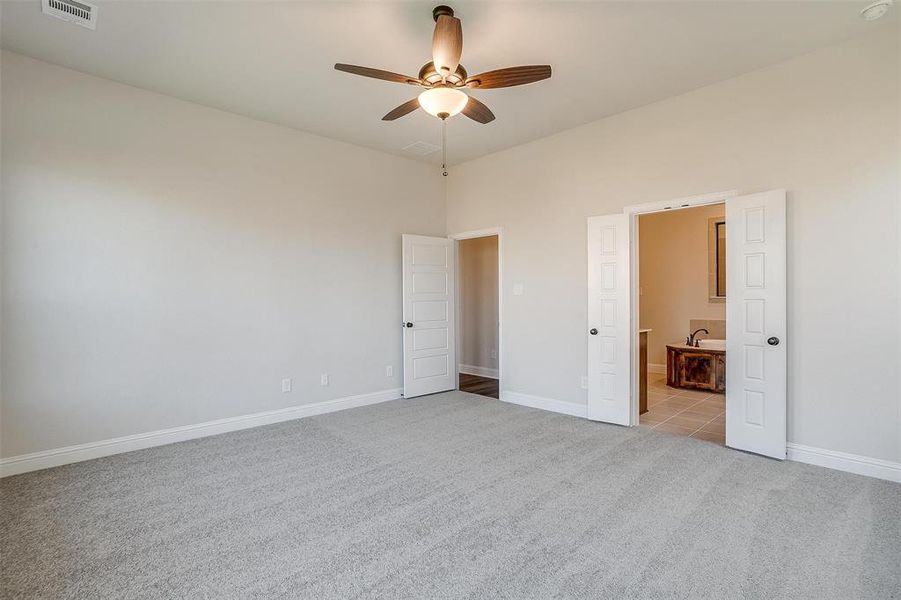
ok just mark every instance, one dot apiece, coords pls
pixel 478 284
pixel 755 273
pixel 682 321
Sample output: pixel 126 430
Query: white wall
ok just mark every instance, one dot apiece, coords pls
pixel 673 275
pixel 824 126
pixel 477 294
pixel 167 264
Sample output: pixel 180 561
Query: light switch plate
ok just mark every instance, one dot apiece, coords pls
pixel 518 289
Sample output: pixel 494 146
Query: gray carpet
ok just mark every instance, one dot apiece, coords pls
pixel 448 496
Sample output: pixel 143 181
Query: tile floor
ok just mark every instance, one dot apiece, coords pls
pixel 685 412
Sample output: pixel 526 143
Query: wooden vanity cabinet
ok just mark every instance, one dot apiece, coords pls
pixel 696 368
pixel 643 371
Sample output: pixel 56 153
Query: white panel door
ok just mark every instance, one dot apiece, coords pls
pixel 755 323
pixel 609 308
pixel 429 348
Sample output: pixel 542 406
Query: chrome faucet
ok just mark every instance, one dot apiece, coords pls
pixel 691 341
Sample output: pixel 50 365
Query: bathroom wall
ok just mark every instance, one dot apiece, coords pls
pixel 673 268
pixel 478 305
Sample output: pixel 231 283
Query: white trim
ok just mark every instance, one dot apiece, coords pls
pixel 70 454
pixel 657 369
pixel 477 233
pixel 468 235
pixel 480 371
pixel 634 309
pixel 688 202
pixel 841 461
pixel 549 404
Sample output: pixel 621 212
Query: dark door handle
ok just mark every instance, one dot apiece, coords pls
pixel 408 324
pixel 773 341
pixel 593 331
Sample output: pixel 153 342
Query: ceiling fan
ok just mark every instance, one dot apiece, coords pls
pixel 444 77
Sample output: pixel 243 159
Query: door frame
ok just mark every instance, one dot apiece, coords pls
pixel 468 235
pixel 634 212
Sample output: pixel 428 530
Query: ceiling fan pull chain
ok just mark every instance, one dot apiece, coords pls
pixel 444 147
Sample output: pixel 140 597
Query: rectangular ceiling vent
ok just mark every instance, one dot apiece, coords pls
pixel 421 148
pixel 80 13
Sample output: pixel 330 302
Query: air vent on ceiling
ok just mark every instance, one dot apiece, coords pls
pixel 80 13
pixel 421 148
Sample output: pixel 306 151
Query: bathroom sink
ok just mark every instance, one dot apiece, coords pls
pixel 712 344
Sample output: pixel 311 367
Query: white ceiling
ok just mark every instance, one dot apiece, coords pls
pixel 273 60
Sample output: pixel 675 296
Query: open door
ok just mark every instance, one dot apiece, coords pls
pixel 609 316
pixel 756 323
pixel 429 346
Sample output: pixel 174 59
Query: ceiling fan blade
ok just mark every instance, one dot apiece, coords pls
pixel 477 111
pixel 377 74
pixel 404 109
pixel 509 77
pixel 447 44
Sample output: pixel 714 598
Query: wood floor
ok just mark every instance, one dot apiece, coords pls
pixel 483 386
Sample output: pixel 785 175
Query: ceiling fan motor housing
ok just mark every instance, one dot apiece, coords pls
pixel 431 76
pixel 442 10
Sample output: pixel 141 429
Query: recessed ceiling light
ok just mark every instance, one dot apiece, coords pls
pixel 875 10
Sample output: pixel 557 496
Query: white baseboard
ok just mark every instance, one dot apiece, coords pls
pixel 852 463
pixel 480 371
pixel 557 406
pixel 657 369
pixel 70 454
pixel 831 459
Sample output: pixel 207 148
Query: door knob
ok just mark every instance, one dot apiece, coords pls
pixel 408 324
pixel 593 331
pixel 773 341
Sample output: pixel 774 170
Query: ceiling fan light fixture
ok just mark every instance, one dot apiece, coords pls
pixel 443 102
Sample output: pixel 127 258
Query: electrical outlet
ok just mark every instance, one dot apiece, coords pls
pixel 286 386
pixel 323 379
pixel 494 354
pixel 389 371
pixel 518 289
pixel 584 382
